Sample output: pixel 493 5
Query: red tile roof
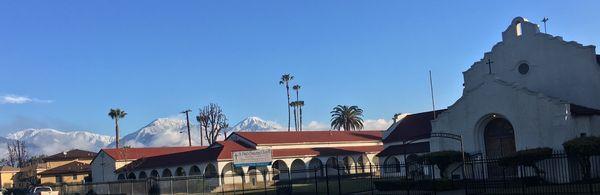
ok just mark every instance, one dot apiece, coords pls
pixel 71 155
pixel 136 153
pixel 69 168
pixel 326 151
pixel 284 137
pixel 419 147
pixel 413 126
pixel 219 151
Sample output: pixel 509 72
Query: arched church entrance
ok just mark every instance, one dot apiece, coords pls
pixel 499 139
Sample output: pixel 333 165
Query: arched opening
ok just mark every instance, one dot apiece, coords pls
pixel 392 165
pixel 154 174
pixel 316 165
pixel 210 171
pixel 194 170
pixel 363 164
pixel 143 175
pixel 121 177
pixel 179 172
pixel 518 29
pixel 415 167
pixel 232 175
pixel 280 170
pixel 349 165
pixel 499 138
pixel 332 165
pixel 298 169
pixel 257 175
pixel 167 173
pixel 131 176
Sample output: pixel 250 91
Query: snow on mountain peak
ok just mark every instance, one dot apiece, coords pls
pixel 51 141
pixel 255 124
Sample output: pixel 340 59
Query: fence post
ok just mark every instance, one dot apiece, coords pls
pixel 290 180
pixel 521 177
pixel 326 177
pixel 171 185
pixel 131 186
pixel 316 183
pixel 265 180
pixel 243 181
pixel 339 178
pixel 371 176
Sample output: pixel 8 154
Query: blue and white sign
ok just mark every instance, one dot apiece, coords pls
pixel 262 157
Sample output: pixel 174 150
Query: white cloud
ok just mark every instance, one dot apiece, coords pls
pixel 368 124
pixel 16 99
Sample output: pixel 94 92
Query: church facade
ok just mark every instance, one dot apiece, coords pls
pixel 531 90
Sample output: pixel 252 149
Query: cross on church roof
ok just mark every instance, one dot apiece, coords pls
pixel 489 63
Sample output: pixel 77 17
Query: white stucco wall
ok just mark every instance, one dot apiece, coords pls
pixel 103 168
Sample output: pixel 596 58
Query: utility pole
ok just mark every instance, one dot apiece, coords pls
pixel 187 118
pixel 432 99
pixel 544 21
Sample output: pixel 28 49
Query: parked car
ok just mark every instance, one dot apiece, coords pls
pixel 42 190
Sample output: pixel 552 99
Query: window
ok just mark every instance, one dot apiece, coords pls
pixel 59 179
pixel 518 29
pixel 523 68
pixel 74 176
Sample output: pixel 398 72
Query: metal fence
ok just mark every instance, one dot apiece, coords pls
pixel 557 175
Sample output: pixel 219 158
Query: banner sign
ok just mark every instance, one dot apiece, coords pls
pixel 262 157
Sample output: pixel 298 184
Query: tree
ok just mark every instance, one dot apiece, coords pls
pixel 582 149
pixel 17 154
pixel 527 158
pixel 213 121
pixel 299 105
pixel 285 80
pixel 294 104
pixel 443 160
pixel 346 117
pixel 116 114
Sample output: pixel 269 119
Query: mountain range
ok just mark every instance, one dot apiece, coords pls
pixel 160 132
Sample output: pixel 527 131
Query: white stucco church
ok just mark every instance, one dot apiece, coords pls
pixel 538 91
pixel 531 90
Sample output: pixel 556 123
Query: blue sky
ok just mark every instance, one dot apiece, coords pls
pixel 74 60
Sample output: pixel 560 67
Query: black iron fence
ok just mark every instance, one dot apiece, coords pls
pixel 557 175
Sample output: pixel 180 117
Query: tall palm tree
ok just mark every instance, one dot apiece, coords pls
pixel 300 105
pixel 285 80
pixel 116 114
pixel 348 118
pixel 294 105
pixel 297 89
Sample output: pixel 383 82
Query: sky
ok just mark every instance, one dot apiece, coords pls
pixel 64 64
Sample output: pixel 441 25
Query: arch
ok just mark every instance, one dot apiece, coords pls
pixel 363 164
pixel 332 165
pixel 180 172
pixel 194 170
pixel 280 170
pixel 316 165
pixel 142 175
pixel 349 165
pixel 499 139
pixel 257 175
pixel 519 29
pixel 154 174
pixel 167 173
pixel 391 165
pixel 415 166
pixel 210 171
pixel 131 176
pixel 231 174
pixel 298 169
pixel 121 177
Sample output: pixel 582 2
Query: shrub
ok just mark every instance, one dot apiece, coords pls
pixel 582 148
pixel 528 158
pixel 443 159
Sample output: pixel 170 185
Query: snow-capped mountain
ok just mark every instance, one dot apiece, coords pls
pixel 3 148
pixel 51 141
pixel 161 132
pixel 255 124
pixel 173 132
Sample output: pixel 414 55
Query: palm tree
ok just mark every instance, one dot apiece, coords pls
pixel 294 104
pixel 116 114
pixel 346 117
pixel 285 80
pixel 297 89
pixel 300 105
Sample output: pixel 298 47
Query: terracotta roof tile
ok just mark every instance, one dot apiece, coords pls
pixel 136 153
pixel 71 155
pixel 70 168
pixel 284 137
pixel 413 126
